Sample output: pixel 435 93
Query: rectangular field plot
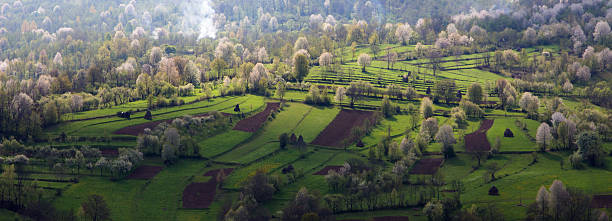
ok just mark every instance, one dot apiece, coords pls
pixel 315 122
pixel 221 143
pixel 100 127
pixel 520 141
pixel 266 140
pixel 267 165
pixel 312 161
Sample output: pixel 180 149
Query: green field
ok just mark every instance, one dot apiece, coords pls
pixel 518 178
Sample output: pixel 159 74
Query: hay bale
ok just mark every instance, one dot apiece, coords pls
pixel 360 144
pixel 494 191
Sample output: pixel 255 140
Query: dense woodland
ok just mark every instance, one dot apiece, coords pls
pixel 74 73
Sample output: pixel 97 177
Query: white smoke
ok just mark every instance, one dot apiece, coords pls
pixel 198 18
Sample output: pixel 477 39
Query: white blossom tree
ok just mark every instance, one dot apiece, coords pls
pixel 429 128
pixel 364 60
pixel 325 60
pixel 602 31
pixel 225 51
pixel 155 56
pixel 446 136
pixel 340 95
pixel 404 33
pixel 258 74
pixel 426 108
pixel 58 60
pixel 543 136
pixel 262 55
pixel 529 103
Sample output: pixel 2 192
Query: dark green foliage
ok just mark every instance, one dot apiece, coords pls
pixel 283 140
pixel 589 146
pixel 95 208
pixel 148 115
pixel 301 67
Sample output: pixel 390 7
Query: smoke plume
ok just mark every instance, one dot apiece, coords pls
pixel 198 18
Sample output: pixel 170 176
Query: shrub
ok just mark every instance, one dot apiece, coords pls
pixel 283 139
pixel 148 115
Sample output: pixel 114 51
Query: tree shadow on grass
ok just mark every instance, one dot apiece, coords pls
pixel 551 156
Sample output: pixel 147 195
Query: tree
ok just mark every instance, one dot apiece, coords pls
pixel 325 60
pixel 433 210
pixel 403 33
pixel 364 60
pixel 340 95
pixel 262 55
pixel 225 51
pixel 301 43
pixel 258 76
pixel 602 31
pixel 568 86
pixel 426 108
pixel 218 65
pixel 304 205
pixel 58 60
pixel 172 141
pixel 589 147
pixel 259 187
pixel 391 58
pixel 280 90
pixel 446 136
pixel 543 136
pixel 301 66
pixel 530 103
pixel 583 73
pixel 446 90
pixel 491 170
pixel 192 74
pixel 387 107
pixel 475 93
pixel 95 208
pixel 283 140
pixel 429 128
pixel 155 56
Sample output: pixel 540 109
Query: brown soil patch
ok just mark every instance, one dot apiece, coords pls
pixel 201 195
pixel 109 152
pixel 253 123
pixel 340 128
pixel 145 172
pixel 326 170
pixel 601 201
pixel 477 141
pixel 428 166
